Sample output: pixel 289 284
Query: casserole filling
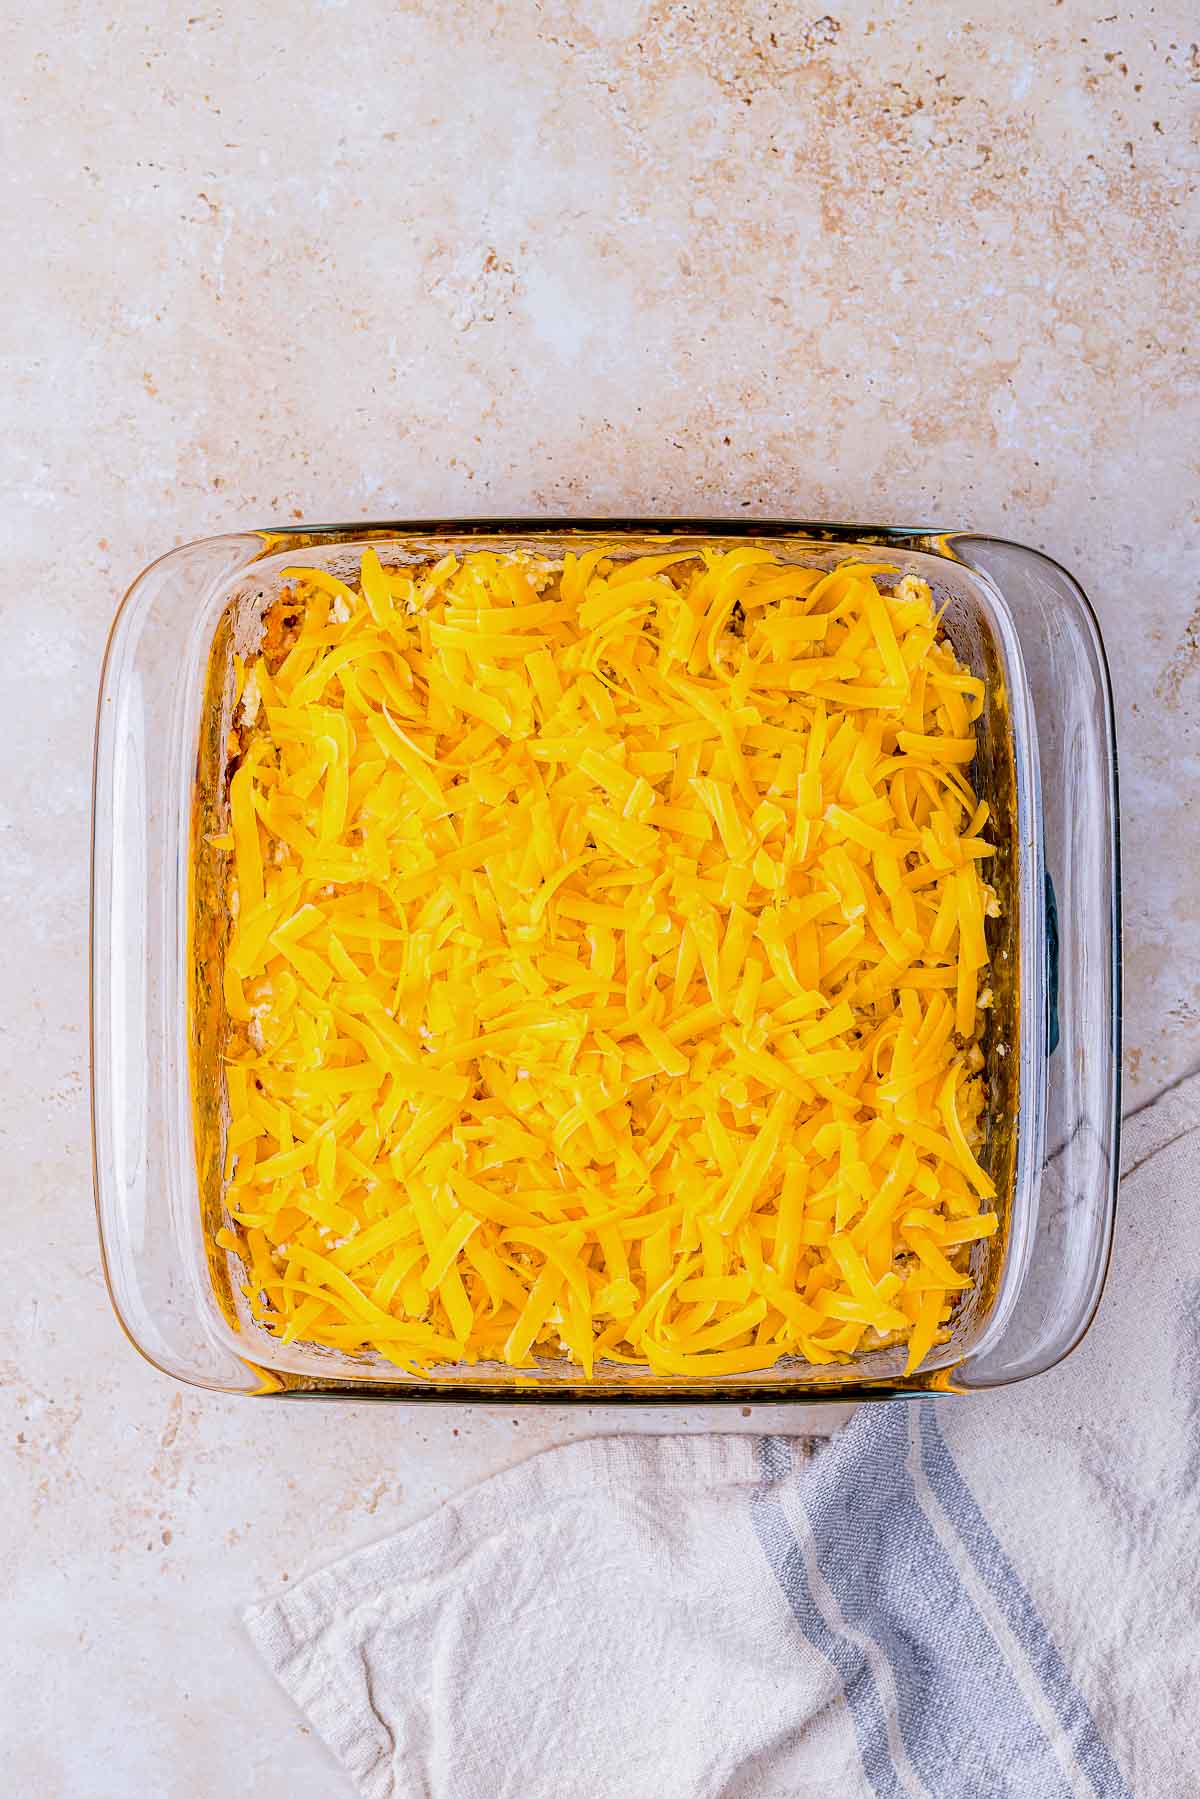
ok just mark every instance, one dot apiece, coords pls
pixel 607 965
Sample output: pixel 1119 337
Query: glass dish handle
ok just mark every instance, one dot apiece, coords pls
pixel 141 1110
pixel 1067 1250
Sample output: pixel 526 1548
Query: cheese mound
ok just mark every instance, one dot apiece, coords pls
pixel 604 969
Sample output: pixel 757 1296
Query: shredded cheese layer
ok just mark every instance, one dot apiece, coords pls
pixel 604 975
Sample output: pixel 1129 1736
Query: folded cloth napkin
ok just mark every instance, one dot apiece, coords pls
pixel 986 1596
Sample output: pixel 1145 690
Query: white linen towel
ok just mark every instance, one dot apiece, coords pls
pixel 983 1596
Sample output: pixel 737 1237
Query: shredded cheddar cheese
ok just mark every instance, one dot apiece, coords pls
pixel 603 976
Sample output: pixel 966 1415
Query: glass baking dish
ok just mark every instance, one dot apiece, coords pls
pixel 1046 764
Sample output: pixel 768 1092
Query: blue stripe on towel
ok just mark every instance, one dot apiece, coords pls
pixel 786 1560
pixel 964 1722
pixel 1018 1609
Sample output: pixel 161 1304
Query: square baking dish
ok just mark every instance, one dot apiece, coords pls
pixel 1045 763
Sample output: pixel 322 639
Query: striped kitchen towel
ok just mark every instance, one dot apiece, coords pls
pixel 958 1599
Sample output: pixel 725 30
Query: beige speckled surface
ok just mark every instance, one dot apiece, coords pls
pixel 267 262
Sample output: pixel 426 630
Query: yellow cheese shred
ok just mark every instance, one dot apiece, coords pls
pixel 606 965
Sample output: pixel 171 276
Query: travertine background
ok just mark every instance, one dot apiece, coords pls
pixel 268 262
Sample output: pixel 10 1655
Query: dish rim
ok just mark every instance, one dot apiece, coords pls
pixel 260 544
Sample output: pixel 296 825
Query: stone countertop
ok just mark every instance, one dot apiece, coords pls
pixel 454 258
